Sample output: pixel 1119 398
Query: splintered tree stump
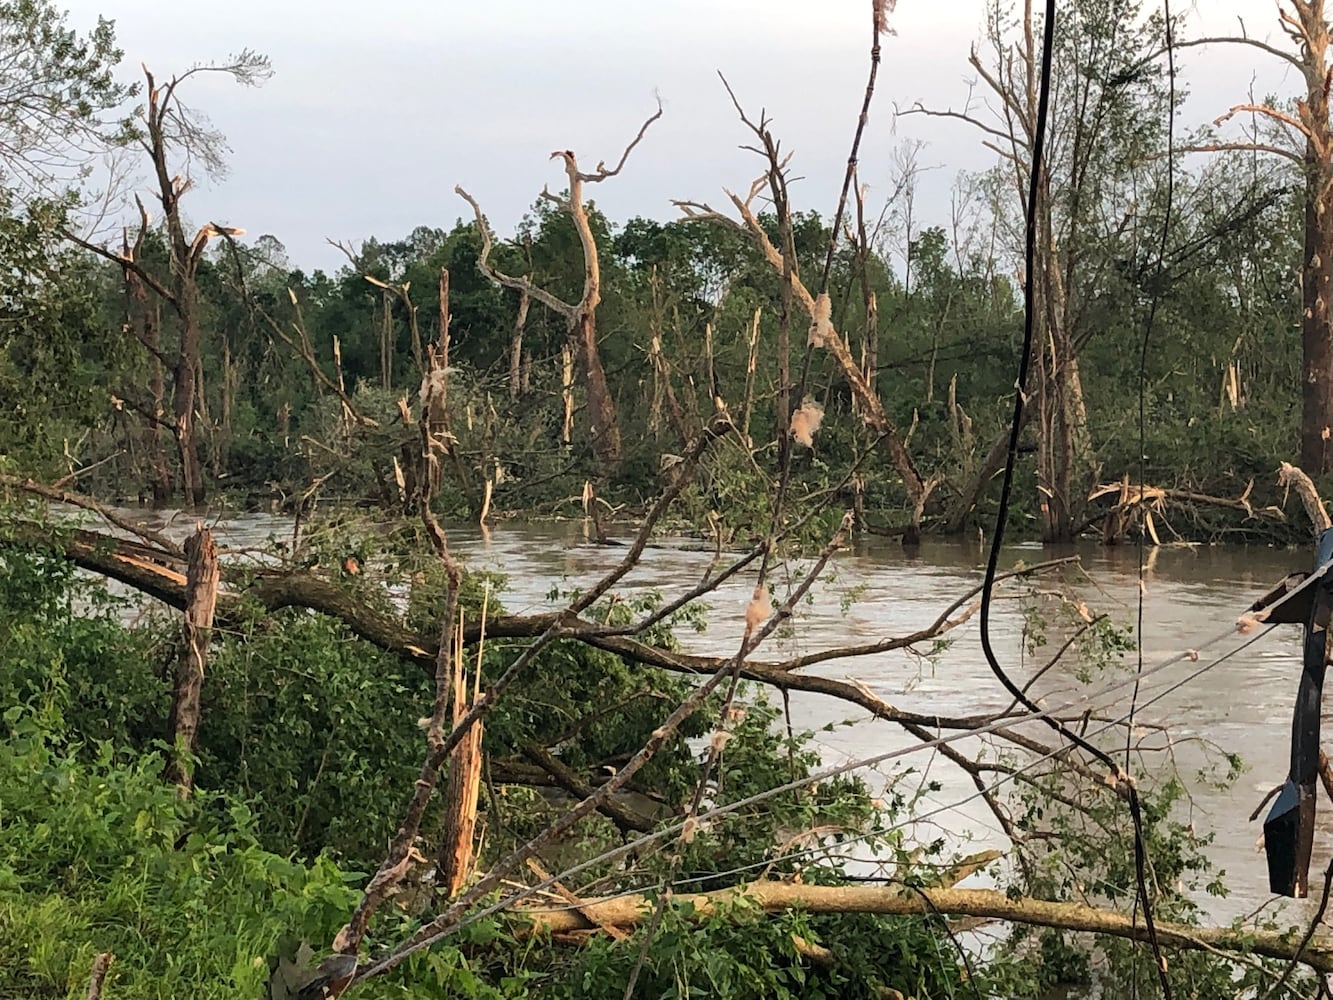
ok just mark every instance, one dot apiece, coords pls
pixel 463 790
pixel 202 576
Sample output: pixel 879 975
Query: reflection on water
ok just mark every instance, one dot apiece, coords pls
pixel 877 591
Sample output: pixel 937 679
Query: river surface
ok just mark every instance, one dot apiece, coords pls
pixel 1192 595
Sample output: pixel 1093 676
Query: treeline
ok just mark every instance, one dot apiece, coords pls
pixel 176 360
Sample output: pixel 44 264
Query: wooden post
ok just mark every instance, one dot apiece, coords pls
pixel 201 596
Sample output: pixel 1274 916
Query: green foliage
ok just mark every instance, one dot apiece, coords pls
pixel 739 953
pixel 58 95
pixel 62 645
pixel 98 854
pixel 309 748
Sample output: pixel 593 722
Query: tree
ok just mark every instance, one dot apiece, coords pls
pixel 57 98
pixel 57 93
pixel 171 131
pixel 1100 140
pixel 1306 139
pixel 581 316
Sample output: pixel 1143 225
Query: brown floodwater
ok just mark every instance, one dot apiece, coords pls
pixel 1241 704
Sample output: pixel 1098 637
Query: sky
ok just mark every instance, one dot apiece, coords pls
pixel 376 110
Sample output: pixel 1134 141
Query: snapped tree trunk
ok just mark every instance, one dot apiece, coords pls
pixel 171 130
pixel 146 320
pixel 516 347
pixel 871 408
pixel 203 574
pixel 581 316
pixel 461 794
pixel 1316 272
pixel 183 393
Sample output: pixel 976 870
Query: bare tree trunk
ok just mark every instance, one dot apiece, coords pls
pixel 386 340
pixel 223 437
pixel 185 294
pixel 567 395
pixel 461 794
pixel 662 378
pixel 786 266
pixel 516 346
pixel 968 497
pixel 751 363
pixel 146 320
pixel 201 589
pixel 169 128
pixel 1317 267
pixel 603 425
pixel 628 912
pixel 183 393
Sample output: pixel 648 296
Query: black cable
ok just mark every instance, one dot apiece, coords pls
pixel 1148 324
pixel 1006 490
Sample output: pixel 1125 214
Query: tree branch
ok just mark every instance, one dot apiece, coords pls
pixel 556 305
pixel 627 912
pixel 602 173
pixel 1264 109
pixel 156 572
pixel 1225 40
pixel 121 261
pixel 1241 147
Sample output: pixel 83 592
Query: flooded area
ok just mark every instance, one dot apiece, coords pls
pixel 876 591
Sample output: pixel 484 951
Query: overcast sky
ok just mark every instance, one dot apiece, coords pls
pixel 376 110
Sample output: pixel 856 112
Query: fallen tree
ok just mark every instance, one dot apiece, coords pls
pixel 250 589
pixel 154 572
pixel 629 912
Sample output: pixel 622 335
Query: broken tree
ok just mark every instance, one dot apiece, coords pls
pixel 171 132
pixel 580 316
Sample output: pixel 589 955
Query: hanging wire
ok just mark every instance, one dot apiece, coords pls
pixel 1035 178
pixel 1148 324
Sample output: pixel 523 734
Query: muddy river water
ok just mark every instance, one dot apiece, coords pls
pixel 1193 595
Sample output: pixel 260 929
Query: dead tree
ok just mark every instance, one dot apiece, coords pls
pixel 516 347
pixel 580 316
pixel 171 131
pixel 144 320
